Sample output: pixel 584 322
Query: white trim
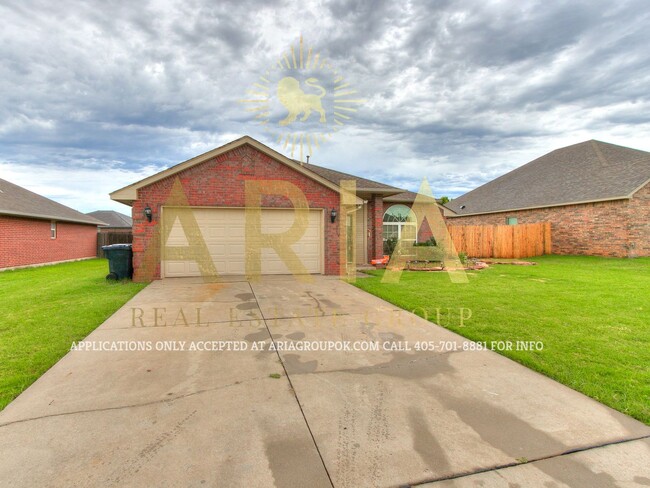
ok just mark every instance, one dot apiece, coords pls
pixel 400 224
pixel 161 234
pixel 639 188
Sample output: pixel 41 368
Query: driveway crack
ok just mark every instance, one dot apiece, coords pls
pixel 318 304
pixel 134 405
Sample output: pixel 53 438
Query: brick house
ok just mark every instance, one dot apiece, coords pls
pixel 114 222
pixel 596 196
pixel 221 185
pixel 117 229
pixel 35 230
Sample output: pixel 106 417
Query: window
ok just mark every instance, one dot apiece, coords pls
pixel 53 230
pixel 399 223
pixel 511 220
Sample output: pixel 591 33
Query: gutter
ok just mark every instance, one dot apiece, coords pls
pixel 612 199
pixel 51 217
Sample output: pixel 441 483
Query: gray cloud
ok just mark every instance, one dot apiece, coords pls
pixel 459 92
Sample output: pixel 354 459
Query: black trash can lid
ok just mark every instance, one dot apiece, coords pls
pixel 117 246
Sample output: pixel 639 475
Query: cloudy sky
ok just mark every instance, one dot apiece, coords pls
pixel 99 94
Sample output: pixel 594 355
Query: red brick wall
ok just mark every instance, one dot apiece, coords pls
pixel 27 241
pixel 639 223
pixel 617 228
pixel 219 182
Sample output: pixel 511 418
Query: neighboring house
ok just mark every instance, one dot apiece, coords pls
pixel 214 184
pixel 596 196
pixel 116 222
pixel 36 230
pixel 118 229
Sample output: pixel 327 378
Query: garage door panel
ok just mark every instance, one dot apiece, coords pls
pixel 176 267
pixel 224 233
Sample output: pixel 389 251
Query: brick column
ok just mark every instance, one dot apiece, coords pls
pixel 375 225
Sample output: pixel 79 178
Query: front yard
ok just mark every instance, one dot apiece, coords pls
pixel 44 310
pixel 591 314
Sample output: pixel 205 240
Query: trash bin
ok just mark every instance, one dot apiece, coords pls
pixel 120 261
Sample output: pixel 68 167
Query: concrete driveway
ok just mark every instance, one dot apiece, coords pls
pixel 139 416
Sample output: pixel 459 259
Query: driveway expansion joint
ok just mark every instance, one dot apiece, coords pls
pixel 530 461
pixel 293 390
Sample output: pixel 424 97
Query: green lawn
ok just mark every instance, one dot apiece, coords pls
pixel 592 315
pixel 43 310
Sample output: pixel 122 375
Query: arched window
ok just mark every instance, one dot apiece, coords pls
pixel 400 223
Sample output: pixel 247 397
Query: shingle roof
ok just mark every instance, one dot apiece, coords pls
pixel 112 218
pixel 585 172
pixel 129 194
pixel 337 176
pixel 16 200
pixel 404 197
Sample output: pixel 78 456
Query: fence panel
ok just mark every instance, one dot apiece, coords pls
pixel 108 238
pixel 502 241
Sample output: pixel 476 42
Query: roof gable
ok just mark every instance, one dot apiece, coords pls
pixel 18 201
pixel 586 172
pixel 128 194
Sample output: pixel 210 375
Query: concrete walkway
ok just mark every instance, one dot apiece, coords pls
pixel 447 417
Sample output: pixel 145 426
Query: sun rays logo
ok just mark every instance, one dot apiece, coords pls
pixel 302 101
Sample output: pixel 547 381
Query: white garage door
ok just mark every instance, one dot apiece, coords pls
pixel 223 231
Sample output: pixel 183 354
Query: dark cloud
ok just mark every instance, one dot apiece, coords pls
pixel 457 91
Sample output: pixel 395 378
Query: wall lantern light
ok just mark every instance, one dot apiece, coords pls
pixel 148 213
pixel 333 215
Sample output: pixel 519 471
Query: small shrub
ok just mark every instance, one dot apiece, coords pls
pixel 389 246
pixel 431 242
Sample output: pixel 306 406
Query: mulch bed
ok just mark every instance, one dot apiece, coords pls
pixel 474 265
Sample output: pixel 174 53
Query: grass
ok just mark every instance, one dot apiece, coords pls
pixel 591 314
pixel 44 310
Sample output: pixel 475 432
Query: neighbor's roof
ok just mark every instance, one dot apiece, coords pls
pixel 129 194
pixel 591 171
pixel 16 200
pixel 112 218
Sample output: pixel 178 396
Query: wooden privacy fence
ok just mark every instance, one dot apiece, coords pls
pixel 502 241
pixel 108 238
